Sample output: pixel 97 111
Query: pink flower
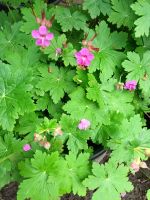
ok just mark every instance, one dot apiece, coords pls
pixel 84 57
pixel 42 36
pixel 130 85
pixel 27 147
pixel 84 124
pixel 135 166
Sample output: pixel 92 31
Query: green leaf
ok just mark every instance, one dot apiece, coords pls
pixel 27 123
pixel 108 57
pixel 29 18
pixel 129 140
pixel 122 14
pixel 68 20
pixel 46 103
pixel 14 3
pixel 57 82
pixel 11 38
pixel 94 91
pixel 108 97
pixel 148 194
pixel 109 180
pixel 120 102
pixel 5 173
pixel 76 139
pixel 46 176
pixel 68 55
pixel 137 67
pixel 141 8
pixel 96 7
pixel 78 170
pixel 14 97
pixel 57 42
pixel 86 109
pixel 10 154
pixel 9 18
pixel 47 125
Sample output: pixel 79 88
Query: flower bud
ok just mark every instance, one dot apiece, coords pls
pixel 119 86
pixel 58 131
pixel 37 137
pixel 143 165
pixel 147 152
pixel 47 145
pixel 27 147
pixel 135 165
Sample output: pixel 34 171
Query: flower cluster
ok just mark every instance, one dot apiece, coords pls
pixel 42 140
pixel 84 58
pixel 42 36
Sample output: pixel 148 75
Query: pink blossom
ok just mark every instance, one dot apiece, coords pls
pixel 84 124
pixel 42 36
pixel 27 147
pixel 130 85
pixel 135 166
pixel 84 57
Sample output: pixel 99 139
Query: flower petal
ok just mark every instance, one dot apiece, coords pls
pixel 42 30
pixel 35 34
pixel 49 36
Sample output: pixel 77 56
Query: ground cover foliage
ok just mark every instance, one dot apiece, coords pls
pixel 68 76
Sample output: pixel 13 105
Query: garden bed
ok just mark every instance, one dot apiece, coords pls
pixel 140 181
pixel 74 100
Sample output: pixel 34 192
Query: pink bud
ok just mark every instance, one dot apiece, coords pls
pixel 37 137
pixel 27 147
pixel 135 166
pixel 84 124
pixel 58 131
pixel 58 51
pixel 47 145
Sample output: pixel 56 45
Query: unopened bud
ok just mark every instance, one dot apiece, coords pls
pixel 47 145
pixel 147 152
pixel 143 165
pixel 135 167
pixel 58 131
pixel 38 20
pixel 84 42
pixel 37 137
pixel 119 86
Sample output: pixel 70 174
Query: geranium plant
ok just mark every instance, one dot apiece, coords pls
pixel 71 76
